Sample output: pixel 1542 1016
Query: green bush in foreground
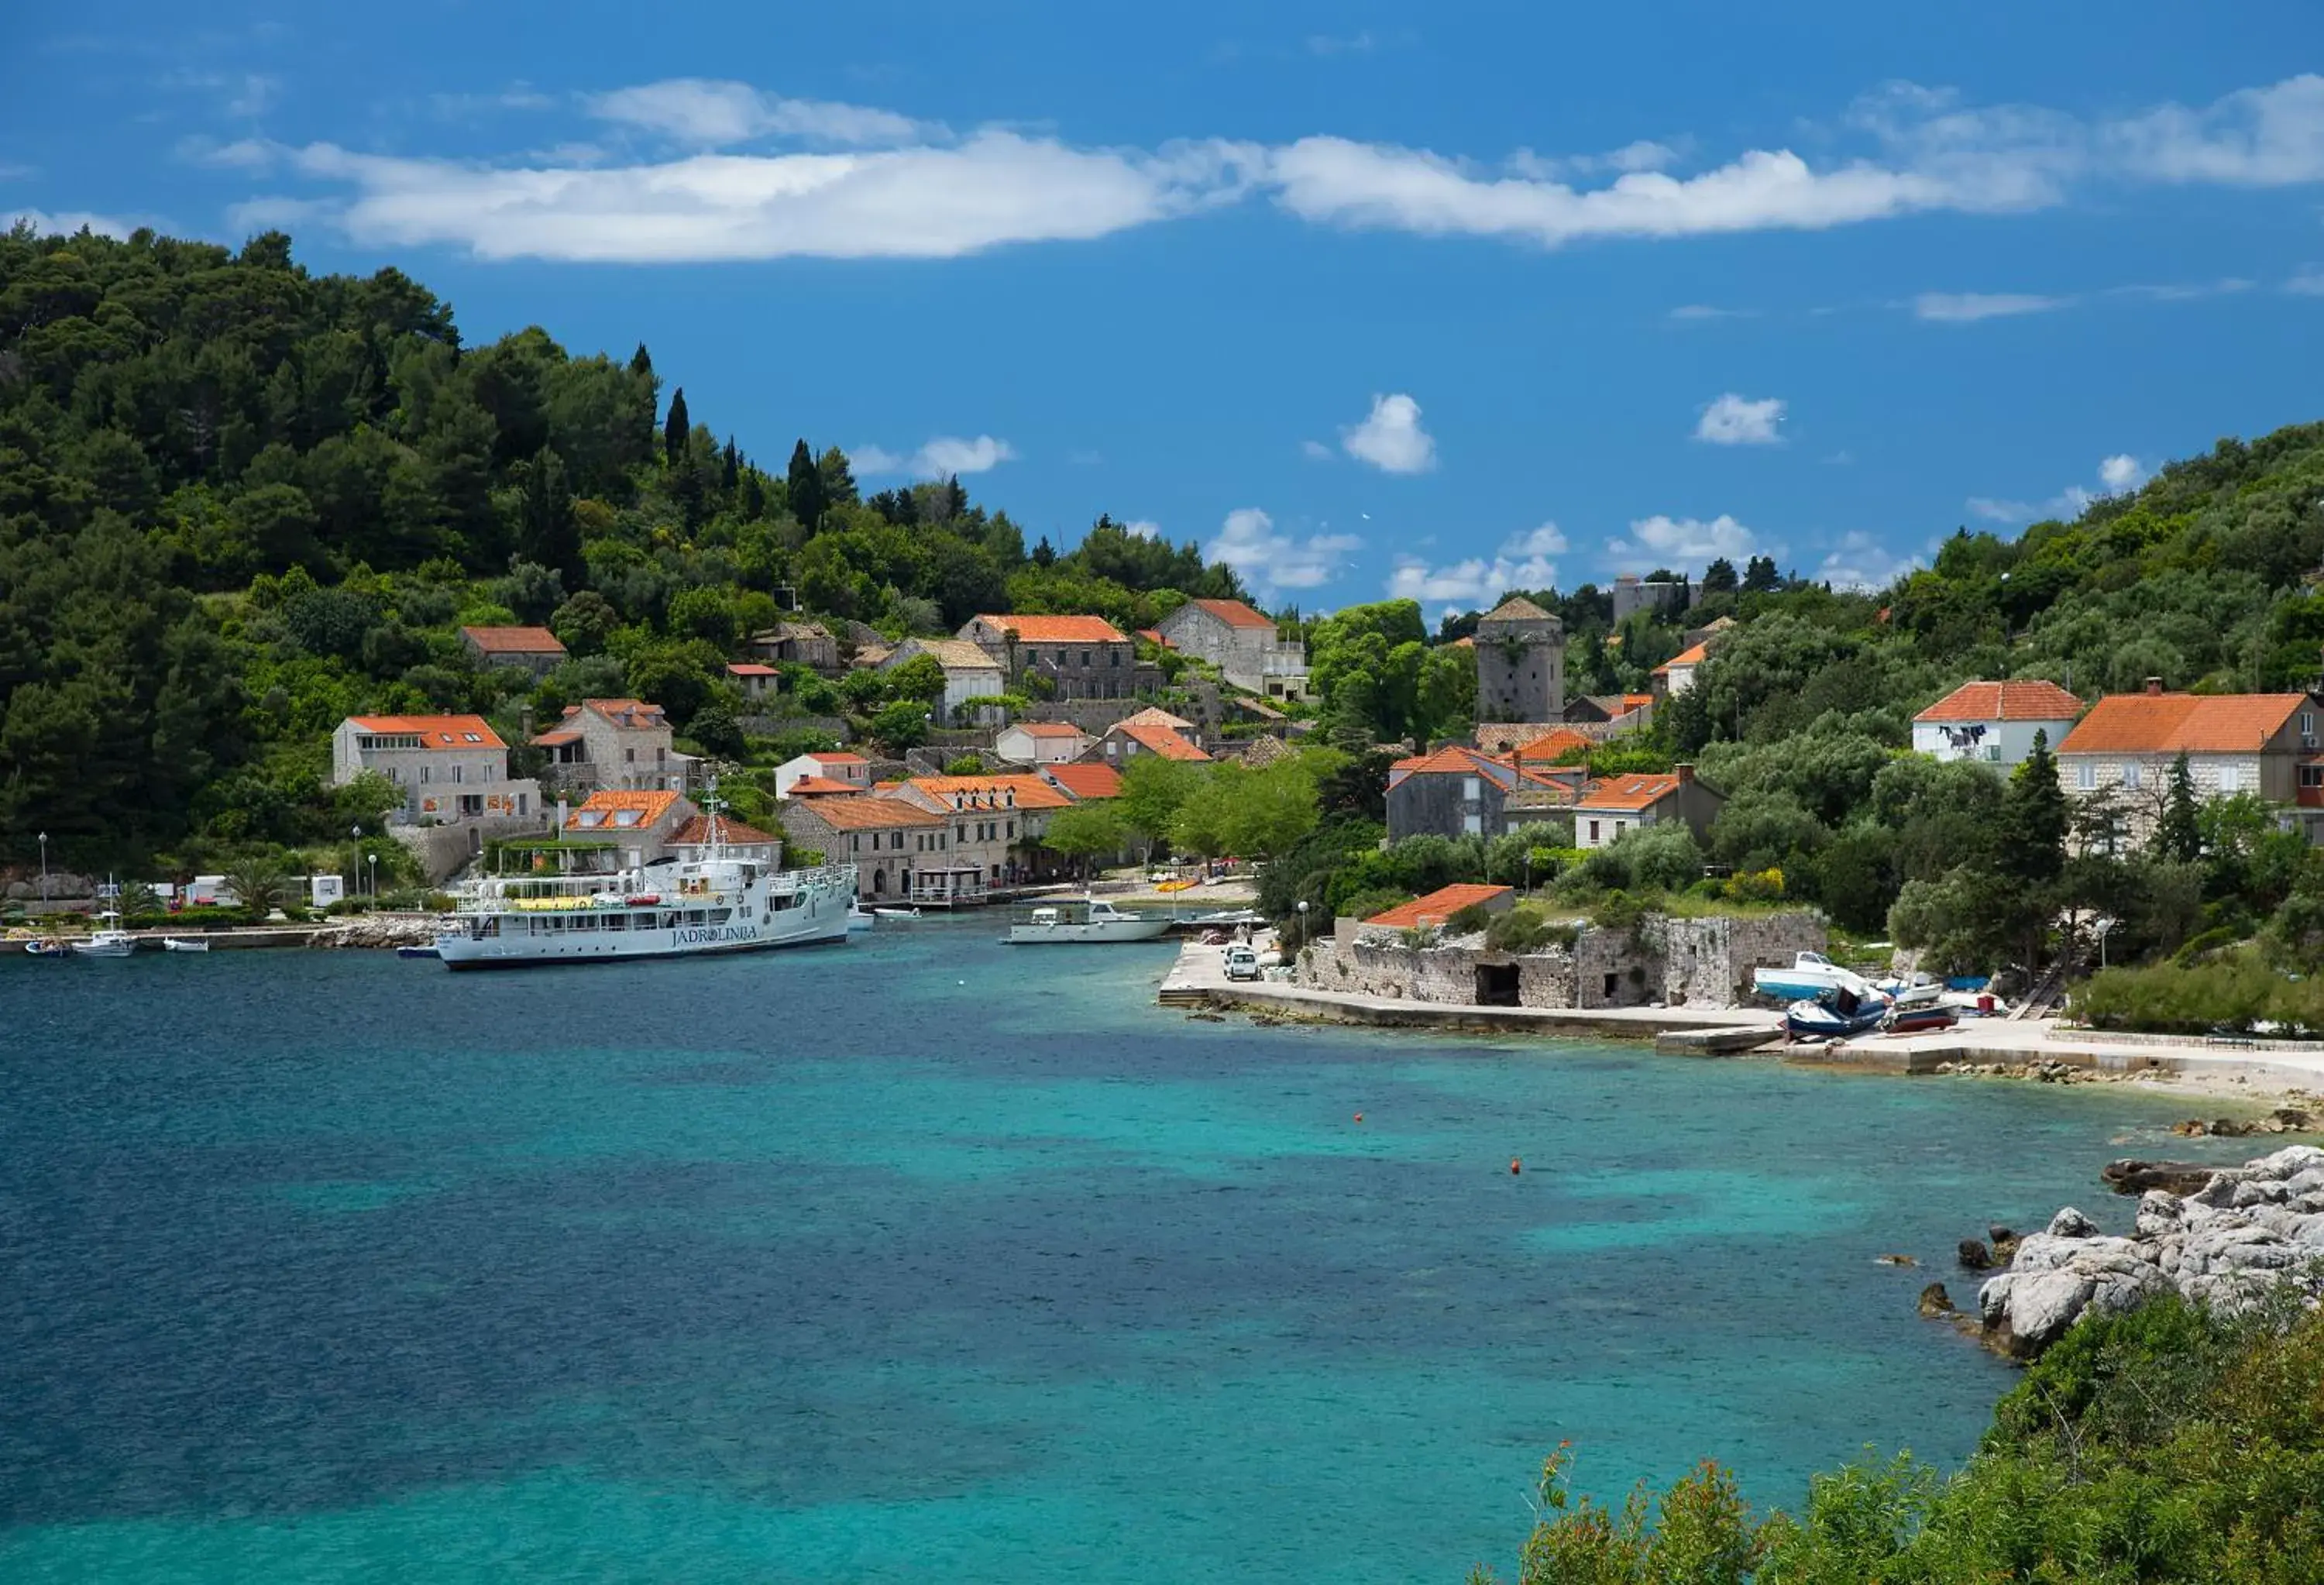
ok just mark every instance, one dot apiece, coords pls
pixel 2235 990
pixel 2171 1444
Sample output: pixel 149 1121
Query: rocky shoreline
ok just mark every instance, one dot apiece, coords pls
pixel 380 931
pixel 2246 1232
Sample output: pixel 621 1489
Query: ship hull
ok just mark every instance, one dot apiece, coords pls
pixel 585 938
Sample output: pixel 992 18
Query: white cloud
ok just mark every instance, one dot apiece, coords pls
pixel 710 114
pixel 1962 307
pixel 1358 43
pixel 1687 539
pixel 2121 472
pixel 1145 527
pixel 994 188
pixel 1861 562
pixel 65 222
pixel 940 458
pixel 1316 451
pixel 907 190
pixel 1390 438
pixel 1999 511
pixel 2180 291
pixel 1734 420
pixel 1268 560
pixel 242 154
pixel 2306 282
pixel 1523 562
pixel 1692 312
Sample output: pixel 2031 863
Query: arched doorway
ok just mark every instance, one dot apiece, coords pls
pixel 879 883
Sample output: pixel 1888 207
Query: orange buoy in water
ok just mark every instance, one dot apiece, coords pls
pixel 1515 1167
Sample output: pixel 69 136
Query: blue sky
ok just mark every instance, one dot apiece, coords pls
pixel 1367 298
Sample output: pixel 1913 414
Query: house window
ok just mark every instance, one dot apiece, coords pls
pixel 2231 779
pixel 2308 723
pixel 426 773
pixel 2085 775
pixel 1113 658
pixel 1474 824
pixel 1469 788
pixel 2133 775
pixel 2311 776
pixel 1593 833
pixel 629 756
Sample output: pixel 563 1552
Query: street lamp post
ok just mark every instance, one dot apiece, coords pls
pixel 44 872
pixel 373 860
pixel 356 833
pixel 1302 922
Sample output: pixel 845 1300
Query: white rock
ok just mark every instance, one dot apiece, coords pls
pixel 2071 1223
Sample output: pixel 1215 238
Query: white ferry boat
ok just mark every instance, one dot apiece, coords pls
pixel 672 908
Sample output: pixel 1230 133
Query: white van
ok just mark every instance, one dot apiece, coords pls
pixel 1242 962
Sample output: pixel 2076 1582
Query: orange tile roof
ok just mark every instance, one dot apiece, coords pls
pixel 1154 715
pixel 628 714
pixel 1629 792
pixel 609 806
pixel 1550 745
pixel 1154 636
pixel 1159 740
pixel 868 811
pixel 561 736
pixel 836 758
pixel 513 641
pixel 696 833
pixel 438 732
pixel 2167 724
pixel 1085 781
pixel 750 669
pixel 1059 629
pixel 1690 657
pixel 1466 641
pixel 1641 701
pixel 1235 613
pixel 1515 608
pixel 807 787
pixel 2005 701
pixel 1439 906
pixel 1047 729
pixel 1032 792
pixel 1453 759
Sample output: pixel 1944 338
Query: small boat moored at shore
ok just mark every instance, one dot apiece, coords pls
pixel 418 951
pixel 1835 1020
pixel 859 921
pixel 111 942
pixel 172 944
pixel 47 946
pixel 1812 977
pixel 1091 920
pixel 895 913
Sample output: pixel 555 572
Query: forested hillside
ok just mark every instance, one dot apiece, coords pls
pixel 239 502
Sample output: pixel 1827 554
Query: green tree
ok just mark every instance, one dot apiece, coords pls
pixel 901 725
pixel 805 488
pixel 1086 831
pixel 2034 819
pixel 675 430
pixel 2177 834
pixel 1152 790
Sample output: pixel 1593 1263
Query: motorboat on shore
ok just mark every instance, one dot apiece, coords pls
pixel 1835 1018
pixel 1812 977
pixel 1089 919
pixel 895 913
pixel 173 944
pixel 860 919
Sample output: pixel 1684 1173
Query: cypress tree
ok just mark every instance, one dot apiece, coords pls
pixel 2177 835
pixel 2031 849
pixel 641 360
pixel 955 498
pixel 806 487
pixel 734 466
pixel 675 430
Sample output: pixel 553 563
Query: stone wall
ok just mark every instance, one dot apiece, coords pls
pixel 443 850
pixel 1677 963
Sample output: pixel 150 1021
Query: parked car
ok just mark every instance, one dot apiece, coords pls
pixel 1242 962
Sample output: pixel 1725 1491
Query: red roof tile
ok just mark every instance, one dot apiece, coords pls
pixel 1235 613
pixel 866 812
pixel 750 669
pixel 1439 906
pixel 807 787
pixel 1086 781
pixel 1029 791
pixel 1689 657
pixel 1047 729
pixel 608 808
pixel 1550 745
pixel 441 734
pixel 1059 629
pixel 2033 700
pixel 1629 792
pixel 2169 724
pixel 835 758
pixel 513 641
pixel 1159 740
pixel 696 833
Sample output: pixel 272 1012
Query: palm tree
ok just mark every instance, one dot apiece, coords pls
pixel 259 884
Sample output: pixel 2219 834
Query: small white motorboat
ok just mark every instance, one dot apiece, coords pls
pixel 1089 920
pixel 172 944
pixel 895 913
pixel 112 941
pixel 47 946
pixel 1812 977
pixel 859 920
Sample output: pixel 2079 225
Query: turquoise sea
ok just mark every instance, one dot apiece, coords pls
pixel 925 1258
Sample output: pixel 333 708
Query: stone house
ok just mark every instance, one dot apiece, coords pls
pixel 890 841
pixel 757 683
pixel 1520 650
pixel 1041 742
pixel 690 842
pixel 1674 675
pixel 1612 808
pixel 803 643
pixel 1662 597
pixel 997 822
pixel 969 674
pixel 1063 657
pixel 1124 741
pixel 852 770
pixel 1463 792
pixel 535 648
pixel 1242 643
pixel 1995 722
pixel 617 745
pixel 448 768
pixel 2262 744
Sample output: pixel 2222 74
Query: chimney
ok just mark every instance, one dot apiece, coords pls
pixel 1686 773
pixel 2153 685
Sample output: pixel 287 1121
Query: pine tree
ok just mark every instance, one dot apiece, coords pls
pixel 1045 554
pixel 733 461
pixel 2032 846
pixel 1760 576
pixel 956 500
pixel 547 532
pixel 805 488
pixel 641 360
pixel 676 429
pixel 2178 836
pixel 1718 577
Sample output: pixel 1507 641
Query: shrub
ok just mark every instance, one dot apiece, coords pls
pixel 1754 886
pixel 1619 911
pixel 1525 930
pixel 2233 991
pixel 1467 921
pixel 1363 905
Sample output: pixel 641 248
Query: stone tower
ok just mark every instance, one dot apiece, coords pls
pixel 1520 663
